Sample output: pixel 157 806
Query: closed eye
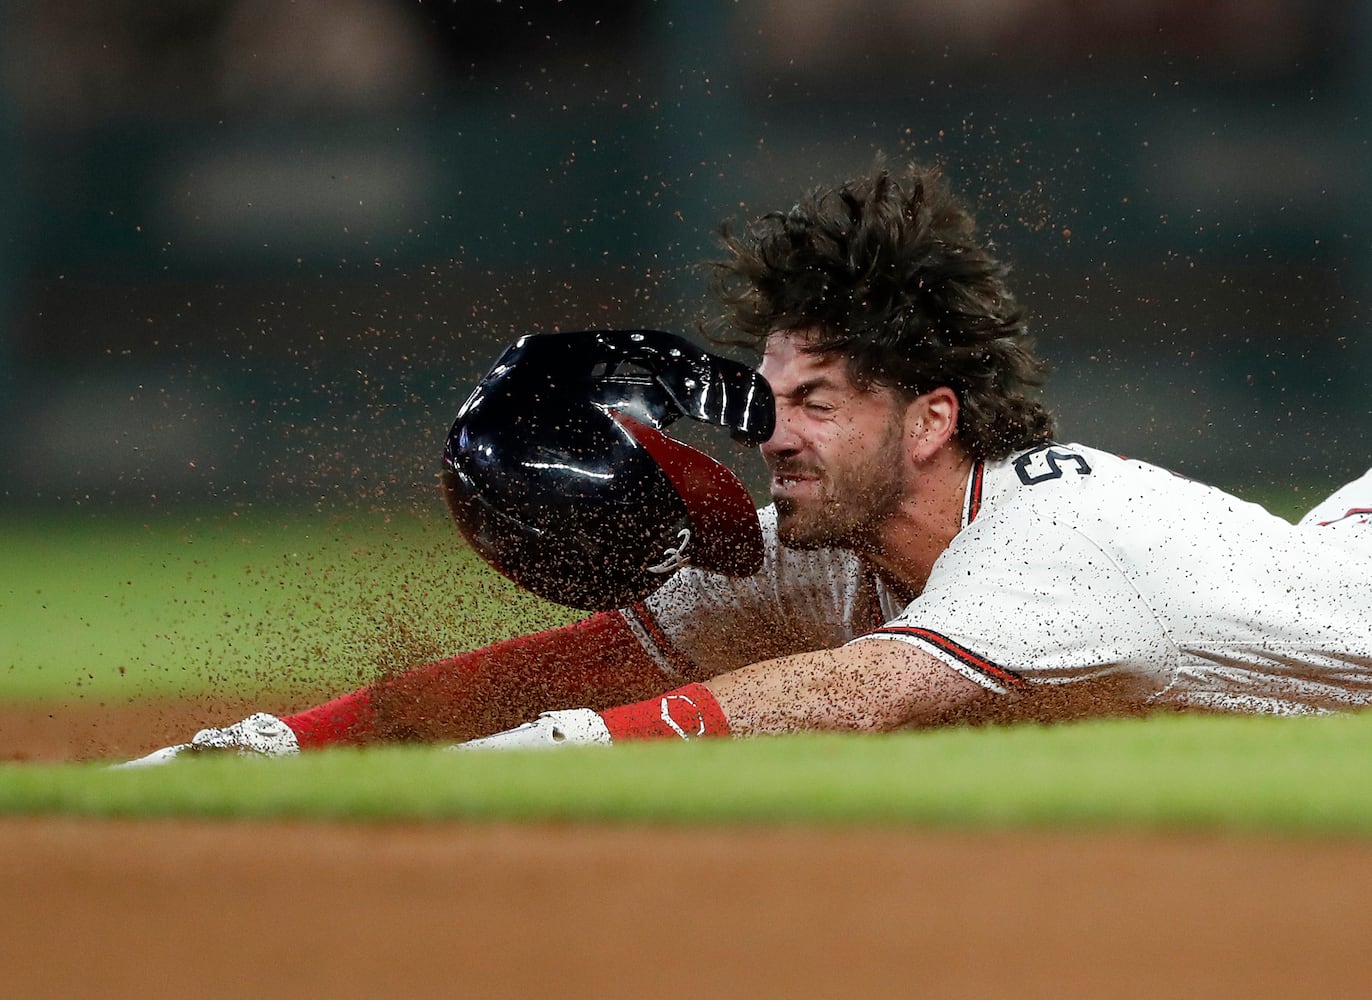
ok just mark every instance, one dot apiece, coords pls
pixel 819 397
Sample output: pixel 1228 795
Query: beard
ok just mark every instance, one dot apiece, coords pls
pixel 853 500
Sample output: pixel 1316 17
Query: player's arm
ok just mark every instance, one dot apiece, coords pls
pixel 860 687
pixel 597 662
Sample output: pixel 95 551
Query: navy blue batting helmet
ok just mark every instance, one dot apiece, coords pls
pixel 558 473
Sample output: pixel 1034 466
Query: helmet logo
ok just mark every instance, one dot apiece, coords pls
pixel 675 557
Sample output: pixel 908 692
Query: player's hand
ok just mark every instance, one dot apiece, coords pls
pixel 258 735
pixel 573 727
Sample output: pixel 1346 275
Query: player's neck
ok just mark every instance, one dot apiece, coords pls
pixel 904 549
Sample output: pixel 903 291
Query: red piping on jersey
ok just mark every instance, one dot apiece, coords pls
pixel 1350 512
pixel 961 653
pixel 681 664
pixel 974 491
pixel 875 617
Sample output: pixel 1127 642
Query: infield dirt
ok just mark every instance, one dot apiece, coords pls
pixel 172 909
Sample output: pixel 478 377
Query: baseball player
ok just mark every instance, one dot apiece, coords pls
pixel 931 554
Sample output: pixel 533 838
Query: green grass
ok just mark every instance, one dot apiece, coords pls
pixel 1306 776
pixel 110 606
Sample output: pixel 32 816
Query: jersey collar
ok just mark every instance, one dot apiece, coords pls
pixel 971 505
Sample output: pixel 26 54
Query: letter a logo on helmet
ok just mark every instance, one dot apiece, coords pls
pixel 558 472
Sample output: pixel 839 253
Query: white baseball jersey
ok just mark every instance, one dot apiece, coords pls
pixel 1073 564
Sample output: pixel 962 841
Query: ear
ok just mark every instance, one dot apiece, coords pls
pixel 930 422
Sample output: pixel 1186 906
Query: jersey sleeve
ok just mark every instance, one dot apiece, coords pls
pixel 1017 601
pixel 699 625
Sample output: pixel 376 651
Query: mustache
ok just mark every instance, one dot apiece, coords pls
pixel 792 468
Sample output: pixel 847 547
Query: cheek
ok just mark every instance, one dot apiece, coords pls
pixel 837 439
pixel 858 436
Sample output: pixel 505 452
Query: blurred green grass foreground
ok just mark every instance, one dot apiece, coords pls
pixel 1293 777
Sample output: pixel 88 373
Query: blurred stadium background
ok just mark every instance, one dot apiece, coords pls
pixel 258 250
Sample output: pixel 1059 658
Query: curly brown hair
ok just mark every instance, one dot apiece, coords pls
pixel 888 272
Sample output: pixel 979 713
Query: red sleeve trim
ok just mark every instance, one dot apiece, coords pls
pixel 959 652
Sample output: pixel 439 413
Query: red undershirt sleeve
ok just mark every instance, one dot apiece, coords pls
pixel 594 663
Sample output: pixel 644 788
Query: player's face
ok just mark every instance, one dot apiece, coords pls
pixel 837 457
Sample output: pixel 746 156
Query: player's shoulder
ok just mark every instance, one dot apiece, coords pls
pixel 1054 468
pixel 1060 477
pixel 1075 484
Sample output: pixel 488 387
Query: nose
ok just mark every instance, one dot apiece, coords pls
pixel 785 439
